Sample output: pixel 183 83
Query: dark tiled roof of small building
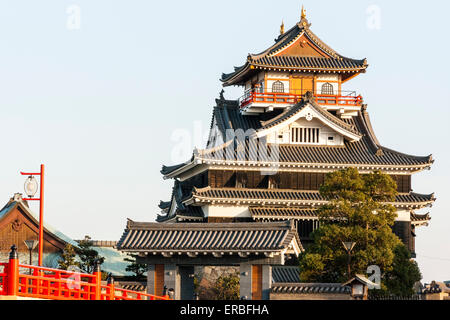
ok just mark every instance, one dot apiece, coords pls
pixel 208 237
pixel 281 196
pixel 288 274
pixel 132 285
pixel 296 288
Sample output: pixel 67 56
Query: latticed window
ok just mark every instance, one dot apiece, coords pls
pixel 305 135
pixel 278 86
pixel 327 88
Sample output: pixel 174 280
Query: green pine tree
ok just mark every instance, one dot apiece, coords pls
pixel 88 255
pixel 358 211
pixel 68 258
pixel 404 274
pixel 138 269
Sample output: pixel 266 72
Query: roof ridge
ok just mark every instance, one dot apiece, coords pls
pixel 363 117
pixel 211 225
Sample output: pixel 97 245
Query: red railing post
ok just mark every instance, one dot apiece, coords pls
pixel 35 282
pixel 13 272
pixel 112 290
pixel 97 282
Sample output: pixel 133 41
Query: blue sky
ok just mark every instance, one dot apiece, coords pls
pixel 99 104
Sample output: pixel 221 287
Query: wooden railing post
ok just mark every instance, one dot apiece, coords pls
pixel 97 281
pixel 112 290
pixel 13 272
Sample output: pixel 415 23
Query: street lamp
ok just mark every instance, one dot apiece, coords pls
pixel 31 187
pixel 31 244
pixel 348 247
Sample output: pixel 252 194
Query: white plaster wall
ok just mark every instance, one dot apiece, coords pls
pixel 226 211
pixel 324 78
pixel 403 215
pixel 283 135
pixel 282 75
pixel 327 77
pixel 320 83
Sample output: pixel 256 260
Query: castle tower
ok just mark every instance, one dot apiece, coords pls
pixel 297 62
pixel 269 150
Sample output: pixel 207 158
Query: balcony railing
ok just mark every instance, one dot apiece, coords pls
pixel 348 99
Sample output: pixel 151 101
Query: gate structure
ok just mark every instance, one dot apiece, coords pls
pixel 171 250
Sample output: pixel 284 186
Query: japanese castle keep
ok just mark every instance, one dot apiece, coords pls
pixel 249 198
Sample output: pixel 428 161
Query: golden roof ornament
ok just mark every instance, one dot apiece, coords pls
pixel 303 15
pixel 282 27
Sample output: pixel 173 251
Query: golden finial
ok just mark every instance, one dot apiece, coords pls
pixel 303 16
pixel 282 27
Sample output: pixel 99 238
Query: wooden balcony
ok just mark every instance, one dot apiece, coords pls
pixel 281 98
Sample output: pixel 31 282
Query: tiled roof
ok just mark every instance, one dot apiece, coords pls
pixel 285 274
pixel 164 205
pixel 208 237
pixel 307 213
pixel 294 288
pixel 284 196
pixel 420 219
pixel 166 169
pixel 332 61
pixel 189 213
pixel 17 201
pixel 132 285
pixel 179 192
pixel 363 153
pixel 307 63
pixel 282 212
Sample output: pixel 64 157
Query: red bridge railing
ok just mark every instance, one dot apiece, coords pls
pixel 46 283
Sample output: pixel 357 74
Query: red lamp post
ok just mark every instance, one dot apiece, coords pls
pixel 31 189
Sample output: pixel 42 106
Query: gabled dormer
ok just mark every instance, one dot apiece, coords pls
pixel 307 123
pixel 296 63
